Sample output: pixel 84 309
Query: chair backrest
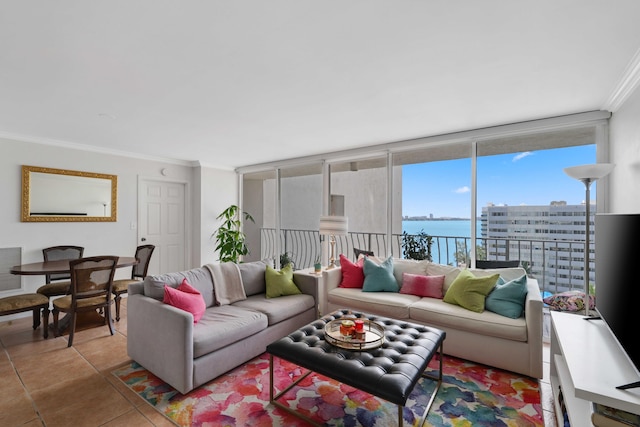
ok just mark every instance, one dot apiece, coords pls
pixel 92 277
pixel 482 264
pixel 56 253
pixel 357 252
pixel 143 255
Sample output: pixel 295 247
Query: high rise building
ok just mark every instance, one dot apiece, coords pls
pixel 548 240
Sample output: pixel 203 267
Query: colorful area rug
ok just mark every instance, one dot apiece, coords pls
pixel 470 395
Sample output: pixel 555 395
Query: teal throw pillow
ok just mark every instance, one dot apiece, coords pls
pixel 280 283
pixel 379 278
pixel 469 291
pixel 507 299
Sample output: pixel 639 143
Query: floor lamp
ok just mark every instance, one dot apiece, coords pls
pixel 588 174
pixel 333 226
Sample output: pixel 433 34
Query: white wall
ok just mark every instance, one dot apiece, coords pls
pixel 624 137
pixel 217 190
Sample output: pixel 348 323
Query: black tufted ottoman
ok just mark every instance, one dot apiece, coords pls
pixel 389 372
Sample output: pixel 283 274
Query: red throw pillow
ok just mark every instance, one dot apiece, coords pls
pixel 187 298
pixel 422 286
pixel 352 274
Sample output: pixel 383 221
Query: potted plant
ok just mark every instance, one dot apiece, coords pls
pixel 317 266
pixel 230 240
pixel 417 246
pixel 285 259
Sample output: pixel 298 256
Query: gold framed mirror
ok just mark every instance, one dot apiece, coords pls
pixel 60 195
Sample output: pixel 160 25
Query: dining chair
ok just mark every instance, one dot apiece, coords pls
pixel 139 271
pixel 91 287
pixel 58 284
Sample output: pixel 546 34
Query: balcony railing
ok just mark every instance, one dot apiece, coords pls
pixel 558 265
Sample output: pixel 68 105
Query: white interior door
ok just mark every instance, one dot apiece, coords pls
pixel 161 222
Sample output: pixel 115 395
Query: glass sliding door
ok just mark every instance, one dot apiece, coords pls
pixel 436 191
pixel 531 210
pixel 358 190
pixel 300 208
pixel 259 200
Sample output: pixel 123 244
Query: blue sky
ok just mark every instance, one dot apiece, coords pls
pixel 530 178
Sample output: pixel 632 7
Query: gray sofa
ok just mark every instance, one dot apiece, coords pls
pixel 164 339
pixel 487 338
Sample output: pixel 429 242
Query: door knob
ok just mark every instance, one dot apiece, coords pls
pixel 144 239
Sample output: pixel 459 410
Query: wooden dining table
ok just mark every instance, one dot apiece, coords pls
pixel 85 320
pixel 60 266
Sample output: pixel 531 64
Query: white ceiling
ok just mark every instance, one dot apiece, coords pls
pixel 233 83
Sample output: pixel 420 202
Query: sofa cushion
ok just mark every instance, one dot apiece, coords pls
pixel 199 278
pixel 224 325
pixel 507 299
pixel 507 274
pixel 401 266
pixel 352 273
pixel 278 309
pixel 253 277
pixel 448 271
pixel 388 304
pixel 187 298
pixel 470 291
pixel 281 282
pixel 422 286
pixel 379 278
pixel 439 314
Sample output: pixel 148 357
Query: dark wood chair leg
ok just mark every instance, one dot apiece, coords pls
pixel 72 328
pixel 56 331
pixel 45 322
pixel 36 318
pixel 108 318
pixel 117 299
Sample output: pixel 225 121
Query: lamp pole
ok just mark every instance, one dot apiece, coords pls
pixel 587 252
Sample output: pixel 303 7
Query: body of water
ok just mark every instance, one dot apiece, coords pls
pixel 454 227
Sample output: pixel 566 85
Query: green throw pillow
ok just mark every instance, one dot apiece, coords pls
pixel 280 283
pixel 507 299
pixel 469 291
pixel 379 278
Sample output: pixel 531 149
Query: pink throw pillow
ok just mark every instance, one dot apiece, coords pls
pixel 422 286
pixel 187 298
pixel 352 274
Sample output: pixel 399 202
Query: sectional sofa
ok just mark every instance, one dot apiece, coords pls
pixel 166 341
pixel 486 337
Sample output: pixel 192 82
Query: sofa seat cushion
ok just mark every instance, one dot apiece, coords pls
pixel 437 313
pixel 388 304
pixel 278 309
pixel 224 325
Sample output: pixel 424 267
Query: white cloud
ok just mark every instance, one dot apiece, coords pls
pixel 462 190
pixel 522 156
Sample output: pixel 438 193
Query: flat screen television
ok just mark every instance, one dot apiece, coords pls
pixel 617 257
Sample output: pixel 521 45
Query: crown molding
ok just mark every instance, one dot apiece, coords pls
pixel 90 148
pixel 626 86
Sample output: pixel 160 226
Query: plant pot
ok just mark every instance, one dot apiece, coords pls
pixel 317 267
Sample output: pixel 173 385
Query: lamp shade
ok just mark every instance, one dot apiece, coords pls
pixel 333 225
pixel 590 172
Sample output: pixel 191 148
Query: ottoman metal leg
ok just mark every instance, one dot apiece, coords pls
pixel 438 380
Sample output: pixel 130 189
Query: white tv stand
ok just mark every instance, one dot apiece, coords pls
pixel 588 365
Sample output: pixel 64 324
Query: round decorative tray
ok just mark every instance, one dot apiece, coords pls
pixel 373 336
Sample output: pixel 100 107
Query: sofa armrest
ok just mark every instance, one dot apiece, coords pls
pixel 160 338
pixel 332 278
pixel 135 289
pixel 310 284
pixel 534 319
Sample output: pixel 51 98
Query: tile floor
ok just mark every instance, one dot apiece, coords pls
pixel 45 383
